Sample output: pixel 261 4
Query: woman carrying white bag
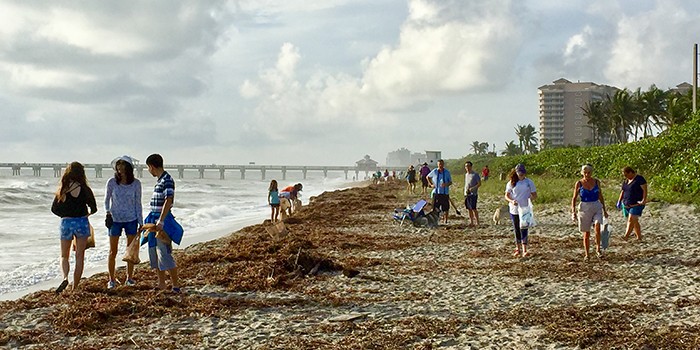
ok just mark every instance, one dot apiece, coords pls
pixel 520 190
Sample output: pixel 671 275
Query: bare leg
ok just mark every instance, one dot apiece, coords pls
pixel 630 226
pixel 130 266
pixel 634 219
pixel 161 279
pixel 476 216
pixel 111 259
pixel 586 241
pixel 174 277
pixel 79 260
pixel 65 255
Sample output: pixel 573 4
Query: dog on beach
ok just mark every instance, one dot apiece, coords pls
pixel 501 212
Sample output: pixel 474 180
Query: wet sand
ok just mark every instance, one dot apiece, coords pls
pixel 348 277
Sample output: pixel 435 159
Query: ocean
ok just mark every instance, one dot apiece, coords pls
pixel 207 209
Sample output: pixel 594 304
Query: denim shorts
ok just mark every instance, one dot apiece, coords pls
pixel 161 256
pixel 636 211
pixel 78 227
pixel 129 228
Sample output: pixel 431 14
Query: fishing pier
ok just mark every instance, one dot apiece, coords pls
pixel 139 169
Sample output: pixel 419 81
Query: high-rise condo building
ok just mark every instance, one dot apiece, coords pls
pixel 562 120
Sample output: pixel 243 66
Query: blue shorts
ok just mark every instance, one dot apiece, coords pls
pixel 470 201
pixel 636 211
pixel 129 228
pixel 161 256
pixel 78 227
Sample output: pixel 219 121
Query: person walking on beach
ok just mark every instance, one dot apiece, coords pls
pixel 124 212
pixel 519 191
pixel 440 179
pixel 472 182
pixel 591 209
pixel 71 203
pixel 411 179
pixel 160 250
pixel 632 200
pixel 485 173
pixel 273 199
pixel 424 171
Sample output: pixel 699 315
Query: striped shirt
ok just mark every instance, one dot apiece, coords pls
pixel 165 187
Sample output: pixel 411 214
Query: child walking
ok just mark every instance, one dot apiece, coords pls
pixel 273 199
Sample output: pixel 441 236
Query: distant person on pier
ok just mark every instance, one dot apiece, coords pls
pixel 386 175
pixel 273 199
pixel 424 171
pixel 440 179
pixel 71 203
pixel 160 249
pixel 124 212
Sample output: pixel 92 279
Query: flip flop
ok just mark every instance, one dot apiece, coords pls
pixel 62 286
pixel 516 253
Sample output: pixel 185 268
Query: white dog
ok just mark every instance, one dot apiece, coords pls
pixel 501 212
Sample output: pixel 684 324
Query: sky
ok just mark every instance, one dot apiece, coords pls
pixel 296 82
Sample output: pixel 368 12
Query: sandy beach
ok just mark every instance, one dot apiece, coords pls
pixel 348 277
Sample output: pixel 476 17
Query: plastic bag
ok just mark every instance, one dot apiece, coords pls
pixel 605 234
pixel 132 252
pixel 527 216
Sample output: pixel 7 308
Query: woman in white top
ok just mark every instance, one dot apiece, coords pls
pixel 124 212
pixel 519 191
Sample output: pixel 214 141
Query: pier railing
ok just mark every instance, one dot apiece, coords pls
pixel 139 169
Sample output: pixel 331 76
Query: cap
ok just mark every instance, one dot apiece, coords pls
pixel 425 163
pixel 520 169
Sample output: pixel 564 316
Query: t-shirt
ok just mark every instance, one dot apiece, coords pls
pixel 471 180
pixel 520 193
pixel 164 188
pixel 124 201
pixel 75 207
pixel 274 197
pixel 632 192
pixel 439 177
pixel 424 171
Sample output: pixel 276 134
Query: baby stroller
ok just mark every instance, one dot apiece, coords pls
pixel 417 215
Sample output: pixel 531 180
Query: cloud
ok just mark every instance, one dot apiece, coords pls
pixel 444 47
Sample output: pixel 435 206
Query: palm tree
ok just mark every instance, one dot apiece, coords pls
pixel 484 147
pixel 476 147
pixel 530 139
pixel 598 120
pixel 653 105
pixel 677 111
pixel 512 149
pixel 520 131
pixel 623 112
